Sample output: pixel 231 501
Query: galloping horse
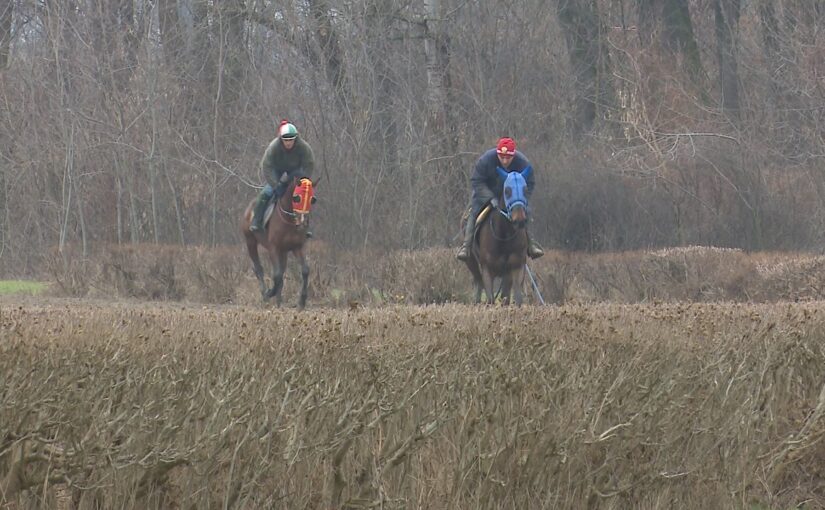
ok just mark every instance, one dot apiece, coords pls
pixel 500 243
pixel 286 232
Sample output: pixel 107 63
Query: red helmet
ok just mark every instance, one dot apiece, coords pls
pixel 506 146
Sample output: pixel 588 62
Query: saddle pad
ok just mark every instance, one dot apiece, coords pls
pixel 483 214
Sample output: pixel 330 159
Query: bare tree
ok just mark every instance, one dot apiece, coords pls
pixel 589 58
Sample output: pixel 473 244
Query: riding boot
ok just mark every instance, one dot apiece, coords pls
pixel 258 214
pixel 534 250
pixel 469 229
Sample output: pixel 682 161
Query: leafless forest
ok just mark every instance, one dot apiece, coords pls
pixel 651 123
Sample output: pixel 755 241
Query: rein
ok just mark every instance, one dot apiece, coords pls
pixel 283 213
pixel 493 228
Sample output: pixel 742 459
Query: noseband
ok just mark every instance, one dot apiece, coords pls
pixel 516 226
pixel 290 217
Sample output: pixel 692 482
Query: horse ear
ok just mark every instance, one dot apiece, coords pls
pixel 527 171
pixel 313 200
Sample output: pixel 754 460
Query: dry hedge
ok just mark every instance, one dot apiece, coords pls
pixel 610 406
pixel 433 276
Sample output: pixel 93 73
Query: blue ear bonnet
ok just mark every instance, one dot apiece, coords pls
pixel 515 187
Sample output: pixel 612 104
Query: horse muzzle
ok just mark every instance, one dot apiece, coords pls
pixel 301 219
pixel 518 215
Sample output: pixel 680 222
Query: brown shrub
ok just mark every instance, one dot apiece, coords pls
pixel 433 276
pixel 139 405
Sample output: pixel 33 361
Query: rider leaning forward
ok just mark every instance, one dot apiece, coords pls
pixel 287 156
pixel 487 189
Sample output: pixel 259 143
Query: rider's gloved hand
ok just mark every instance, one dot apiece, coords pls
pixel 494 202
pixel 284 178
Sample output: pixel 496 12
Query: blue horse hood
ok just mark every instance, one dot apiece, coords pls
pixel 515 187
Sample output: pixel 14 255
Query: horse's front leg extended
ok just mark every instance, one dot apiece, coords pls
pixel 302 300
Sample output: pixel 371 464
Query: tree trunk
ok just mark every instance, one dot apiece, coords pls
pixel 333 56
pixel 436 93
pixel 6 11
pixel 727 19
pixel 678 37
pixel 152 159
pixel 589 58
pixel 170 32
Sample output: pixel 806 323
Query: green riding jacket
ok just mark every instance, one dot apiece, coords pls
pixel 298 161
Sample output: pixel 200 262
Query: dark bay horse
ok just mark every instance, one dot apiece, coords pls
pixel 500 243
pixel 285 232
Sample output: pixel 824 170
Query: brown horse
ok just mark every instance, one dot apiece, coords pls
pixel 500 244
pixel 285 232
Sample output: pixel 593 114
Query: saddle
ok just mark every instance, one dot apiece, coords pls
pixel 483 215
pixel 485 211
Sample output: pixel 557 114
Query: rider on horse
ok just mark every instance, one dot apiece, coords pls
pixel 487 188
pixel 287 156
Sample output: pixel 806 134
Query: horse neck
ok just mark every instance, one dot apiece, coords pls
pixel 503 228
pixel 285 200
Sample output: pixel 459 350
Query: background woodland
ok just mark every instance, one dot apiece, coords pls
pixel 651 123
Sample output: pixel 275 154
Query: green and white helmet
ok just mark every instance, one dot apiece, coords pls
pixel 287 130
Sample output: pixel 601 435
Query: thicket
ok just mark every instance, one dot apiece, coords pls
pixel 433 276
pixel 608 406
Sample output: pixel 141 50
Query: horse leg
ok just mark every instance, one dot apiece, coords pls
pixel 518 279
pixel 506 287
pixel 488 285
pixel 302 301
pixel 278 269
pixel 478 284
pixel 252 248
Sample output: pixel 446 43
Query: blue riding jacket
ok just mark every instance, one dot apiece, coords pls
pixel 487 184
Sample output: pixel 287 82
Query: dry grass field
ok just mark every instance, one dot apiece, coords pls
pixel 151 377
pixel 132 404
pixel 374 278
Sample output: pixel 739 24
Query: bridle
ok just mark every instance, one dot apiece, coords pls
pixel 495 234
pixel 290 217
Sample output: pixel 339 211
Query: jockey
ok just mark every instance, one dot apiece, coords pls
pixel 487 189
pixel 287 156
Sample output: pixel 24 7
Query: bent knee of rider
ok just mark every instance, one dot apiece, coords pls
pixel 267 191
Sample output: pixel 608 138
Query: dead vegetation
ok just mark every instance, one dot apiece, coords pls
pixel 369 277
pixel 134 405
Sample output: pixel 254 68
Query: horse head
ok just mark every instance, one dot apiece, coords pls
pixel 295 204
pixel 516 208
